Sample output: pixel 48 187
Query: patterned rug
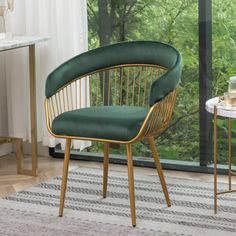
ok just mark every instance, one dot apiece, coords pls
pixel 34 211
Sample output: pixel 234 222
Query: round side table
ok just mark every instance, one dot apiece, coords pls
pixel 218 108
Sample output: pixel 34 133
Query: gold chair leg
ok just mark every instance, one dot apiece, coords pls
pixel 105 168
pixel 64 176
pixel 131 183
pixel 159 170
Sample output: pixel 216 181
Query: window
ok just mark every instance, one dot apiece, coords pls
pixel 174 22
pixel 204 32
pixel 224 64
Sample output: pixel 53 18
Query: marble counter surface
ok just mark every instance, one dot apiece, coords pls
pixel 20 41
pixel 222 109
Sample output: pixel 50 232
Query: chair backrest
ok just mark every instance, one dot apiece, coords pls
pixel 159 64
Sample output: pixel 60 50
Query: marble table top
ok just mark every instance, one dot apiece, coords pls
pixel 222 108
pixel 20 41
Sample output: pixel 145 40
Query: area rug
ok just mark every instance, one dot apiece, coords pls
pixel 35 211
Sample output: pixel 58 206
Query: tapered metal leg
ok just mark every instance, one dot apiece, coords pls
pixel 131 183
pixel 33 110
pixel 159 170
pixel 230 152
pixel 105 168
pixel 64 176
pixel 215 162
pixel 19 155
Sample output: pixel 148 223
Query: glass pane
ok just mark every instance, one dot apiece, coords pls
pixel 174 22
pixel 224 65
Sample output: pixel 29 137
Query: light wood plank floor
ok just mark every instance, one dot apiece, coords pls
pixel 49 167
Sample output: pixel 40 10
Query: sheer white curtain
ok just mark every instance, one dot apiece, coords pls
pixel 65 22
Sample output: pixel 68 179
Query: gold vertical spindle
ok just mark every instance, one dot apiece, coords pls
pixel 155 119
pixel 108 88
pixel 165 109
pixel 152 77
pixel 139 86
pixel 52 107
pixel 115 93
pixel 59 95
pixel 145 85
pixel 48 111
pixel 90 91
pixel 63 99
pixel 80 93
pixel 76 94
pixel 127 86
pixel 152 121
pixel 97 90
pixel 121 84
pixel 134 69
pixel 103 87
pixel 67 96
pixel 71 97
pixel 57 104
pixel 169 107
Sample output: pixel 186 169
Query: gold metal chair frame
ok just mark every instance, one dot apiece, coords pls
pixel 156 121
pixel 230 172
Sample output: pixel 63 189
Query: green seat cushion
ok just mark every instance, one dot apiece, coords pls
pixel 105 122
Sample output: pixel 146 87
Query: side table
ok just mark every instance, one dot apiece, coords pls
pixel 10 44
pixel 217 108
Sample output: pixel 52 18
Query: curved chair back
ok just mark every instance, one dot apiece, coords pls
pixel 126 53
pixel 137 73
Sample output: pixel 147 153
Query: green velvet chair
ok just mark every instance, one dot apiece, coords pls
pixel 131 88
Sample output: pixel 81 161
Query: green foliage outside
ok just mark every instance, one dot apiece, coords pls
pixel 174 22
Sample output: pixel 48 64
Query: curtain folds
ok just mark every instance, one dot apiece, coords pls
pixel 65 22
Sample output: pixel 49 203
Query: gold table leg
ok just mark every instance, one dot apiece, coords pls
pixel 215 162
pixel 230 172
pixel 230 150
pixel 33 110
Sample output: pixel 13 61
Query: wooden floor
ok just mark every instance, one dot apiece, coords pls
pixel 49 167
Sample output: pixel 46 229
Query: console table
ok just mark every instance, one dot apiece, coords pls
pixel 10 44
pixel 218 108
